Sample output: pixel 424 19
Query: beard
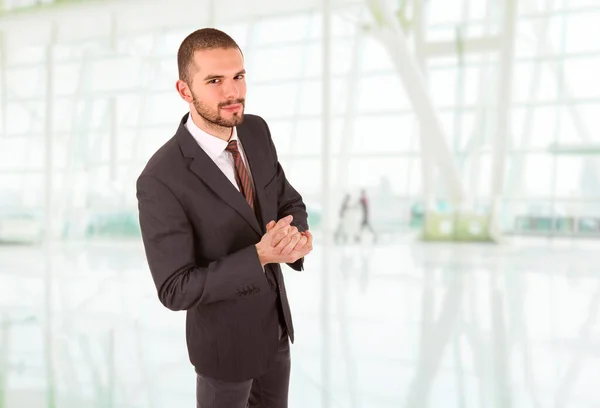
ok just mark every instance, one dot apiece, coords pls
pixel 214 118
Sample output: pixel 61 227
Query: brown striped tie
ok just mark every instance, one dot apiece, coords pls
pixel 241 174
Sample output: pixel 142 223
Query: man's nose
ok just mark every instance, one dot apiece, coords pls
pixel 231 91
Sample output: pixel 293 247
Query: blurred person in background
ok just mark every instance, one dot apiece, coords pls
pixel 217 217
pixel 341 232
pixel 365 223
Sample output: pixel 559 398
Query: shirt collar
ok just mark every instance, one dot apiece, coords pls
pixel 212 145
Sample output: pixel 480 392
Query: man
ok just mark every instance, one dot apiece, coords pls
pixel 217 217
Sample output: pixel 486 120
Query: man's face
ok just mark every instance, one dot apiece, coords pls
pixel 219 86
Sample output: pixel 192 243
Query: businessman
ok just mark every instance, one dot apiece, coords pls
pixel 217 217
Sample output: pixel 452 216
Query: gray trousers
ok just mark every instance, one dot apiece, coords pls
pixel 268 391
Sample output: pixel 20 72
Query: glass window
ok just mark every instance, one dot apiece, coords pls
pixel 381 94
pixel 581 74
pixel 533 178
pixel 535 82
pixel 583 31
pixel 374 56
pixel 441 85
pixel 440 11
pixel 287 28
pixel 278 63
pixel 589 114
pixel 539 37
pixel 272 100
pixel 534 127
pixel 383 134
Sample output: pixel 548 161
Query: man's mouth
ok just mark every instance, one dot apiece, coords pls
pixel 234 107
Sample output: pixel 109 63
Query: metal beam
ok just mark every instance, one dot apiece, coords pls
pixel 112 108
pixel 503 124
pixel 5 325
pixel 427 159
pixel 3 84
pixel 326 203
pixel 298 104
pixel 347 132
pixel 49 222
pixel 472 45
pixel 576 149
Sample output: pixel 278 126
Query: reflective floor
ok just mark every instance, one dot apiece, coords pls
pixel 405 324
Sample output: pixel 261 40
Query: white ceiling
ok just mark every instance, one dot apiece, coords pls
pixel 92 18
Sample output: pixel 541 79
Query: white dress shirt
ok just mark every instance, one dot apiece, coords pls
pixel 215 149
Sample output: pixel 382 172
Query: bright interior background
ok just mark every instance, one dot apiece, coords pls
pixel 87 95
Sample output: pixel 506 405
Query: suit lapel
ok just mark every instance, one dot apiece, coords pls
pixel 258 161
pixel 203 167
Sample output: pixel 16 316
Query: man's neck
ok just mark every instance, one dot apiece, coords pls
pixel 220 132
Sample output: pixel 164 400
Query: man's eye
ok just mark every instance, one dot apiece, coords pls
pixel 213 81
pixel 239 77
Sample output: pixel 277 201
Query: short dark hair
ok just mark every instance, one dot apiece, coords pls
pixel 200 40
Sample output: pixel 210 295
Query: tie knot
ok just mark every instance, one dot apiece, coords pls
pixel 232 147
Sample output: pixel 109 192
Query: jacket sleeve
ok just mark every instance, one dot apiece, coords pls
pixel 168 241
pixel 289 201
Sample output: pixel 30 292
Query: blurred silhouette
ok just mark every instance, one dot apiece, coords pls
pixel 365 222
pixel 341 232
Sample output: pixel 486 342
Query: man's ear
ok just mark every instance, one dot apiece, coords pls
pixel 184 91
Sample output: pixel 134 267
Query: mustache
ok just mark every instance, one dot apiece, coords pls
pixel 240 101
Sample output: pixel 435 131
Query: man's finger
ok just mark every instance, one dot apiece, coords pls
pixel 301 243
pixel 286 250
pixel 297 254
pixel 309 236
pixel 279 234
pixel 307 248
pixel 273 236
pixel 285 241
pixel 286 231
pixel 284 222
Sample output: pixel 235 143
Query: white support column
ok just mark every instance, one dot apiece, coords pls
pixel 112 108
pixel 326 205
pixel 111 381
pixel 427 158
pixel 4 353
pixel 560 68
pixel 49 235
pixel 3 84
pixel 481 127
pixel 291 164
pixel 502 135
pixel 113 135
pixel 212 13
pixel 389 32
pixel 347 133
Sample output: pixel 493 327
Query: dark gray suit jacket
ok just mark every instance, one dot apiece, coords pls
pixel 199 235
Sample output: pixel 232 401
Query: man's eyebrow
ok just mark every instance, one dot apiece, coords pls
pixel 206 78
